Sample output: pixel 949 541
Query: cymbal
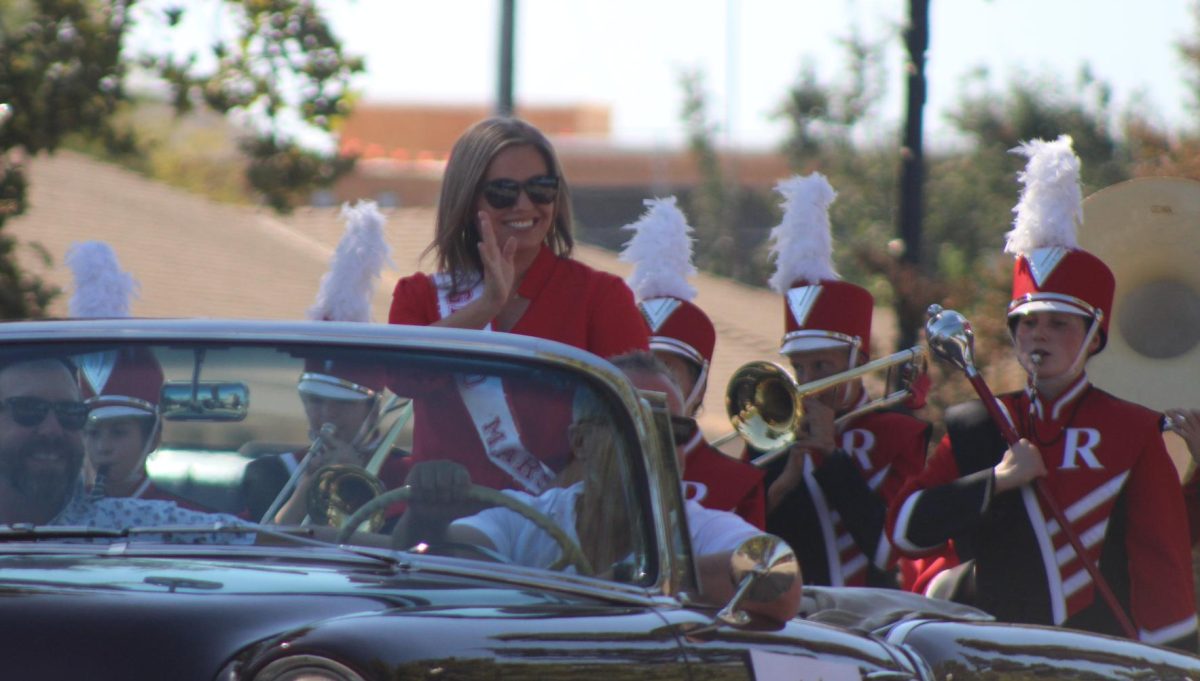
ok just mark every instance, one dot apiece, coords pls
pixel 1147 230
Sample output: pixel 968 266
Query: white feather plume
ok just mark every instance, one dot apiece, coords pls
pixel 801 242
pixel 355 267
pixel 1051 204
pixel 102 289
pixel 661 252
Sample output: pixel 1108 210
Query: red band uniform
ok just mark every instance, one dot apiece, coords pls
pixel 835 517
pixel 1106 466
pixel 680 328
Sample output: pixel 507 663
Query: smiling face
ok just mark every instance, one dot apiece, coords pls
pixel 1047 345
pixel 526 221
pixel 39 462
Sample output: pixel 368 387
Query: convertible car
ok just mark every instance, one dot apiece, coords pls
pixel 285 449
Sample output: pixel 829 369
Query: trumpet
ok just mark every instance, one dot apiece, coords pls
pixel 766 405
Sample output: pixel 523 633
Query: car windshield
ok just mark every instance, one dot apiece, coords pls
pixel 509 460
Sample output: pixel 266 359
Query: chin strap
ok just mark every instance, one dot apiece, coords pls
pixel 694 398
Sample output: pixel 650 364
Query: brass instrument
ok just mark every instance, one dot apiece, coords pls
pixel 338 490
pixel 318 445
pixel 766 405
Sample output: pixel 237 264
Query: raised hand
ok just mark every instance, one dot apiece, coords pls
pixel 499 270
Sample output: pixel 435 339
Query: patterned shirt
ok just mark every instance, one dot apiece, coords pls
pixel 116 513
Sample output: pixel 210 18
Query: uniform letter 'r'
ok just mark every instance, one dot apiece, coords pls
pixel 1081 442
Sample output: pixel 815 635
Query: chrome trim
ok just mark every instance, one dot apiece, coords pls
pixel 674 345
pixel 1082 305
pixel 335 382
pixel 853 341
pixel 101 401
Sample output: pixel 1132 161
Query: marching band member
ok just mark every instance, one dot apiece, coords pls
pixel 503 244
pixel 683 337
pixel 343 397
pixel 828 497
pixel 121 388
pixel 1101 458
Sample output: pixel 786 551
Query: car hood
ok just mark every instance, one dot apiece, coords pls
pixel 1013 651
pixel 183 617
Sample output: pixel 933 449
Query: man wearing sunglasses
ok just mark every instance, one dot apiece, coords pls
pixel 42 417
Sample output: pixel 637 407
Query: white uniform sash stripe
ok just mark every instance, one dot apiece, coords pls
pixel 853 567
pixel 1170 632
pixel 883 551
pixel 1090 538
pixel 844 541
pixel 877 479
pixel 1058 603
pixel 1096 497
pixel 1067 397
pixel 1076 582
pixel 488 406
pixel 814 489
pixel 900 535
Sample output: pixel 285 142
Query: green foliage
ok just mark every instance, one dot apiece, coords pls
pixel 63 71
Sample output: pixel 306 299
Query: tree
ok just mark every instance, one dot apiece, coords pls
pixel 64 66
pixel 713 201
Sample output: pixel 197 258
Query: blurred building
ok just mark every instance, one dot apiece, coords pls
pixel 402 151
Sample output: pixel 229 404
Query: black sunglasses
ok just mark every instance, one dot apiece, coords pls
pixel 31 411
pixel 683 429
pixel 503 192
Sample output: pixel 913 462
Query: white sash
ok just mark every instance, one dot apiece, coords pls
pixel 488 406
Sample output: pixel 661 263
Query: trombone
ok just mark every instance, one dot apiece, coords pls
pixel 766 405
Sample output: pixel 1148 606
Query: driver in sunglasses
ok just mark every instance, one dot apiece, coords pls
pixel 503 244
pixel 42 416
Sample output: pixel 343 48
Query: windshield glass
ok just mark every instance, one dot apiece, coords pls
pixel 506 461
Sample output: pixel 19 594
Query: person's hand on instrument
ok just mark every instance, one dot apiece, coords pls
pixel 1022 463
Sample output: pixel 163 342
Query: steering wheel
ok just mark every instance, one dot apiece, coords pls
pixel 571 553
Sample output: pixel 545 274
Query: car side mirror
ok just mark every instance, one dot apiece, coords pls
pixel 764 568
pixel 204 401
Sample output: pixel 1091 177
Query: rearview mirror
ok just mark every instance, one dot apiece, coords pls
pixel 204 401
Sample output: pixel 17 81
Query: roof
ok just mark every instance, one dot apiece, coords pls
pixel 197 258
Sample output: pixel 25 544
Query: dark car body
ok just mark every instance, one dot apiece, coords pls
pixel 137 603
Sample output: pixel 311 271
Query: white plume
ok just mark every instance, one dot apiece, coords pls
pixel 357 263
pixel 801 243
pixel 661 252
pixel 1051 204
pixel 102 289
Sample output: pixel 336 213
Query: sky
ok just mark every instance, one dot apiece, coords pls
pixel 629 54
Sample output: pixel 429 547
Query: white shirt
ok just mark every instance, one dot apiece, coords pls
pixel 524 543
